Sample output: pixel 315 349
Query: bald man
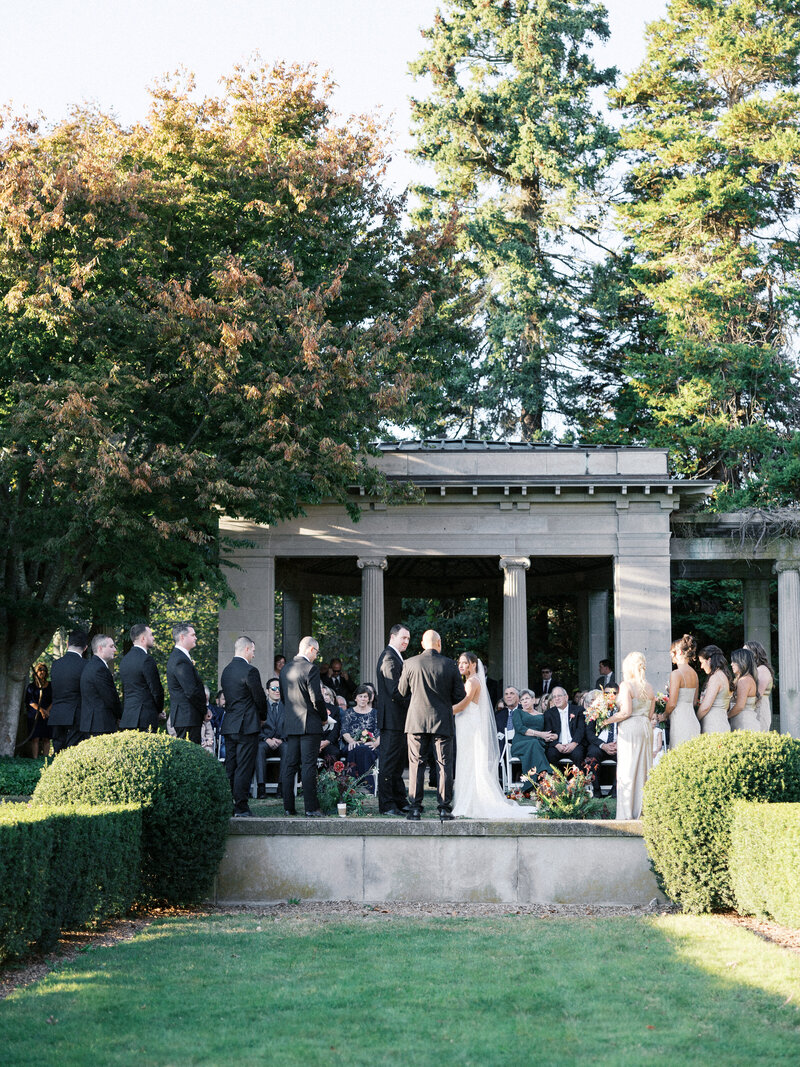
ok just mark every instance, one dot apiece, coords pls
pixel 432 685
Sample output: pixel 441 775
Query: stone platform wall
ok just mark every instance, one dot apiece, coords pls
pixel 267 860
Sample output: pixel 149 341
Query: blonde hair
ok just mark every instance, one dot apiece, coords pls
pixel 633 668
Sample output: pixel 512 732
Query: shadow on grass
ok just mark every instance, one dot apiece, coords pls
pixel 252 989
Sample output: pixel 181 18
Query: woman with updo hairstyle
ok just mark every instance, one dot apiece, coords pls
pixel 742 714
pixel 635 703
pixel 716 698
pixel 765 676
pixel 683 688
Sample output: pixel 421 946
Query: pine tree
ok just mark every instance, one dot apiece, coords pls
pixel 512 129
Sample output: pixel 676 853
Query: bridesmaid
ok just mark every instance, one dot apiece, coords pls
pixel 743 715
pixel 636 702
pixel 713 710
pixel 530 736
pixel 683 686
pixel 765 676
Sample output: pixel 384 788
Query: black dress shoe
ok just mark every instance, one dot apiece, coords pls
pixel 314 814
pixel 261 793
pixel 414 815
pixel 391 811
pixel 404 808
pixel 287 812
pixel 446 816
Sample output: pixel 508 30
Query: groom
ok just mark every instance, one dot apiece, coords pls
pixel 432 685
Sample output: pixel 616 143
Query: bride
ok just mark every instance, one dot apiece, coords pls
pixel 477 792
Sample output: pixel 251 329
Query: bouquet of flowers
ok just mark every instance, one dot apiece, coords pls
pixel 661 704
pixel 601 709
pixel 337 785
pixel 365 737
pixel 563 794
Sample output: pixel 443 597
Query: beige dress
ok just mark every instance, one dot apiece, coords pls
pixel 683 722
pixel 764 707
pixel 634 759
pixel 747 719
pixel 715 721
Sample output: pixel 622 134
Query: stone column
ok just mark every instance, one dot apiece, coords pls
pixel 252 614
pixel 515 620
pixel 789 645
pixel 642 613
pixel 756 611
pixel 372 623
pixel 592 634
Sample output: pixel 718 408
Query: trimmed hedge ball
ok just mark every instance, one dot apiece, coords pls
pixel 185 797
pixel 688 802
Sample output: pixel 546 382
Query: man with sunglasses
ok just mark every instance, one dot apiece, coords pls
pixel 270 741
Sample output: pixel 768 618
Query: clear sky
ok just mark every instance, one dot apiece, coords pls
pixel 55 53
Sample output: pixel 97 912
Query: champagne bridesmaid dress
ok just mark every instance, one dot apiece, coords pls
pixel 683 722
pixel 634 759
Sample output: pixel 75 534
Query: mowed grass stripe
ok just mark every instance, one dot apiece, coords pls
pixel 247 989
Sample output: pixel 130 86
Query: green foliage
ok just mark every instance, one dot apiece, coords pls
pixel 63 868
pixel 337 627
pixel 688 808
pixel 185 798
pixel 765 860
pixel 512 129
pixel 214 311
pixel 19 777
pixel 562 794
pixel 703 358
pixel 336 787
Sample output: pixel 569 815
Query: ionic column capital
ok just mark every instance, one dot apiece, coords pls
pixel 378 562
pixel 782 565
pixel 510 562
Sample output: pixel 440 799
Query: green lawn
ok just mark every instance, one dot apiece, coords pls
pixel 252 989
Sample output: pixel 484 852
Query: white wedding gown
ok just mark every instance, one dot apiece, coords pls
pixel 477 793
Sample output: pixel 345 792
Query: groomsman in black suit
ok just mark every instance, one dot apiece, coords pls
pixel 432 685
pixel 141 686
pixel 187 694
pixel 65 679
pixel 305 715
pixel 567 721
pixel 606 679
pixel 100 706
pixel 392 796
pixel 245 711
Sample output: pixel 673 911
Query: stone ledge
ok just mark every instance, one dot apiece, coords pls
pixel 333 826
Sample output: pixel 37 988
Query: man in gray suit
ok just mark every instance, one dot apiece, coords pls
pixel 432 684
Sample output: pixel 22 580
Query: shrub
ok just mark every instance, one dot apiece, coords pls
pixel 64 868
pixel 688 803
pixel 19 777
pixel 185 797
pixel 765 860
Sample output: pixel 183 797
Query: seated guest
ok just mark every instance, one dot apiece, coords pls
pixel 567 722
pixel 339 680
pixel 600 747
pixel 547 685
pixel 329 748
pixel 530 738
pixel 270 738
pixel 360 732
pixel 278 663
pixel 207 739
pixel 505 709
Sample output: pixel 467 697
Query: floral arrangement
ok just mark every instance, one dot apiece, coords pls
pixel 563 794
pixel 601 709
pixel 516 794
pixel 364 737
pixel 337 785
pixel 661 704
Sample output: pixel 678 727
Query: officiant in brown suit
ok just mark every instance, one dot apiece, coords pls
pixel 432 685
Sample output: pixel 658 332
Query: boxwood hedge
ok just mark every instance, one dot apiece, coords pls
pixel 688 803
pixel 185 797
pixel 64 868
pixel 19 777
pixel 765 860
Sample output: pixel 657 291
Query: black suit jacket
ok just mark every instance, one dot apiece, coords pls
pixel 391 707
pixel 433 685
pixel 142 690
pixel 577 723
pixel 100 706
pixel 65 680
pixel 538 687
pixel 273 727
pixel 187 697
pixel 305 711
pixel 605 680
pixel 245 699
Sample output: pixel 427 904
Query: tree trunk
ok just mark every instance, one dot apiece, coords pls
pixel 16 660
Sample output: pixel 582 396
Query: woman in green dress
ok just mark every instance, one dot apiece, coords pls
pixel 530 737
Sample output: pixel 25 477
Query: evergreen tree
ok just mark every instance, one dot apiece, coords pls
pixel 700 356
pixel 512 130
